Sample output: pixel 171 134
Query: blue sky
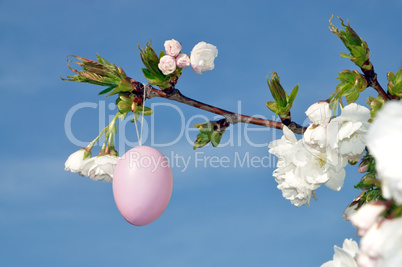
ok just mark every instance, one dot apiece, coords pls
pixel 216 216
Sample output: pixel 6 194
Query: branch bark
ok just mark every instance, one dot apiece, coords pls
pixel 231 117
pixel 372 81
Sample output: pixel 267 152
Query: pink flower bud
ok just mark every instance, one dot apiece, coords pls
pixel 167 64
pixel 172 47
pixel 182 61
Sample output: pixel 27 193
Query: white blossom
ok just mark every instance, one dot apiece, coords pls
pixel 301 169
pixel 167 64
pixel 381 245
pixel 172 47
pixel 75 161
pixel 366 216
pixel 345 256
pixel 347 132
pixel 100 167
pixel 202 57
pixel 315 137
pixel 384 143
pixel 295 188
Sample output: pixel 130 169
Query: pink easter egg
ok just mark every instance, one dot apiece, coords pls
pixel 142 185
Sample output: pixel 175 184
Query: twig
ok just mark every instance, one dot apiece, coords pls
pixel 231 117
pixel 372 81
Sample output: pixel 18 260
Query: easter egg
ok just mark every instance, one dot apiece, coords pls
pixel 142 185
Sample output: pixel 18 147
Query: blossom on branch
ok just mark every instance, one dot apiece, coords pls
pixel 182 61
pixel 301 168
pixel 172 47
pixel 383 142
pixel 167 64
pixel 75 161
pixel 100 168
pixel 203 56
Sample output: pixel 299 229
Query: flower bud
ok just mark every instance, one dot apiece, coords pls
pixel 172 48
pixel 210 131
pixel 167 64
pixel 366 165
pixel 395 83
pixel 182 61
pixel 283 102
pixel 359 51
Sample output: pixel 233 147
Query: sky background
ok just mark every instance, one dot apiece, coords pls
pixel 216 216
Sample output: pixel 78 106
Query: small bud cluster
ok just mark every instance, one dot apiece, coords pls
pixel 201 59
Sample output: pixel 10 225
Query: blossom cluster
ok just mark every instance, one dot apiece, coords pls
pixel 380 230
pixel 381 238
pixel 380 243
pixel 383 142
pixel 97 168
pixel 322 154
pixel 201 59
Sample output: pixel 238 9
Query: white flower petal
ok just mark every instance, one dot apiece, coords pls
pixel 355 112
pixel 345 256
pixel 337 179
pixel 75 161
pixel 319 113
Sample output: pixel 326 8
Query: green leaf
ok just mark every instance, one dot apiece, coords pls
pixel 293 95
pixel 201 141
pixel 107 90
pixel 99 73
pixel 124 86
pixel 103 61
pixel 161 54
pixel 352 97
pixel 215 138
pixel 147 110
pixel 272 106
pixel 352 83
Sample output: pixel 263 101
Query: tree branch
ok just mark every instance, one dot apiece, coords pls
pixel 231 117
pixel 372 81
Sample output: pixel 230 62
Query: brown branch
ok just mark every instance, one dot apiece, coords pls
pixel 372 81
pixel 231 117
